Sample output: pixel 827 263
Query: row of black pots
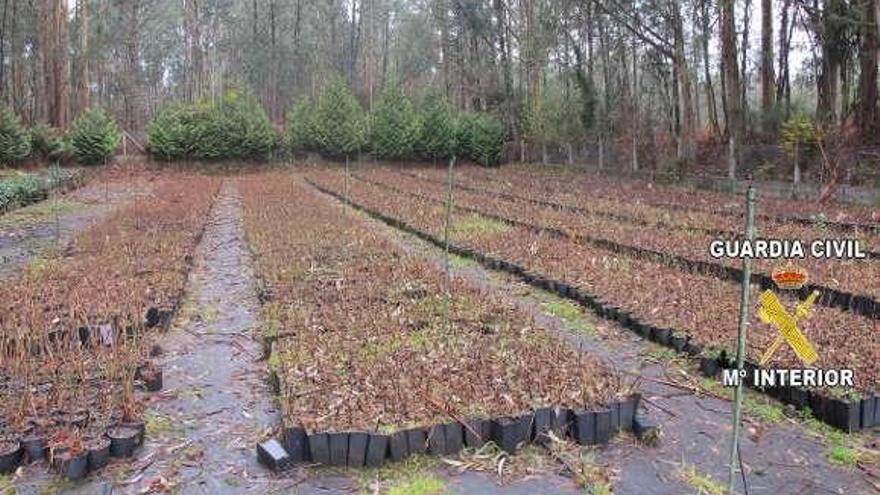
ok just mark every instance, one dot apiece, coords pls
pixel 118 441
pixel 843 414
pixel 360 449
pixel 833 298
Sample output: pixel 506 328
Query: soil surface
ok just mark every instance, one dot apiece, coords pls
pixel 782 458
pixel 51 224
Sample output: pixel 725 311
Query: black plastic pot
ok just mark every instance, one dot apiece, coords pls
pixel 11 454
pixel 543 424
pixel 296 443
pixel 152 378
pixel 709 366
pixel 123 440
pixel 272 455
pixel 508 433
pixel 319 448
pixel 679 342
pixel 637 327
pixel 397 446
pixel 615 417
pixel 693 349
pixel 562 420
pixel 476 432
pixel 35 447
pixel 151 319
pixel 437 440
pixel 866 412
pixel 454 438
pixel 338 448
pixel 611 312
pixel 844 415
pixel 377 450
pixel 74 467
pixel 583 429
pixel 628 412
pixel 797 397
pixel 662 336
pixel 417 440
pixel 138 426
pixel 603 426
pixel 98 452
pixel 817 403
pixel 357 448
pixel 84 334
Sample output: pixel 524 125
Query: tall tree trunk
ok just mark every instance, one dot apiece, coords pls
pixel 783 84
pixel 84 84
pixel 744 67
pixel 869 51
pixel 830 33
pixel 768 79
pixel 685 101
pixel 731 82
pixel 706 34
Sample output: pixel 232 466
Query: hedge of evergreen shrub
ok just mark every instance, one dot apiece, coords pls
pixel 47 142
pixel 15 142
pixel 395 126
pixel 480 138
pixel 335 125
pixel 340 124
pixel 235 127
pixel 22 188
pixel 93 137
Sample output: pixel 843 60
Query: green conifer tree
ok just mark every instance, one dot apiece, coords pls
pixel 339 120
pixel 93 137
pixel 437 129
pixel 302 126
pixel 15 143
pixel 395 127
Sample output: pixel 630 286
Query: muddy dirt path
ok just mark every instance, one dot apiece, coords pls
pixel 780 458
pixel 202 429
pixel 51 224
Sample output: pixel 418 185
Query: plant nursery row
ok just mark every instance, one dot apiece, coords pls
pixel 695 305
pixel 850 275
pixel 370 353
pixel 855 410
pixel 623 205
pixel 75 339
pixel 840 217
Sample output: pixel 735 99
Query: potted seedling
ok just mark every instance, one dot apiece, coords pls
pixel 68 456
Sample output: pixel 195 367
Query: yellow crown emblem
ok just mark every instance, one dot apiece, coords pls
pixel 789 277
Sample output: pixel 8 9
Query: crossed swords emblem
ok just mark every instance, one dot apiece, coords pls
pixel 774 313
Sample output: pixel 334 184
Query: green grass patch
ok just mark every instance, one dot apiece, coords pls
pixel 420 485
pixel 571 315
pixel 703 484
pixel 478 224
pixel 414 476
pixel 842 455
pixel 459 262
